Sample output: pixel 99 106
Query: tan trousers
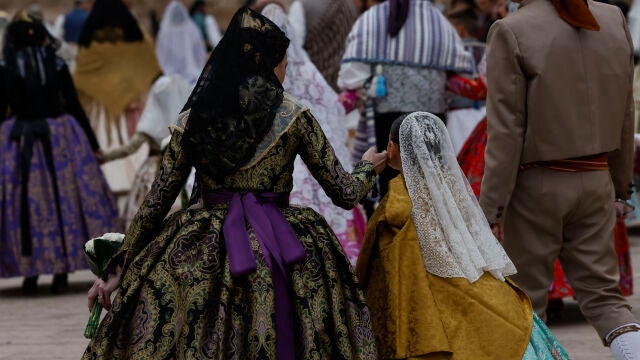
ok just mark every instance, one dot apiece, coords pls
pixel 569 216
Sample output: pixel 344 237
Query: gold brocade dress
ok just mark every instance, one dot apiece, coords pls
pixel 178 298
pixel 417 315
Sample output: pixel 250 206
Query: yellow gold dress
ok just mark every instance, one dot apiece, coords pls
pixel 417 315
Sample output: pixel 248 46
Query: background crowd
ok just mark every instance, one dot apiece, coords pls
pixel 110 80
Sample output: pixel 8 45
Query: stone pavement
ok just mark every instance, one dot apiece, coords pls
pixel 51 327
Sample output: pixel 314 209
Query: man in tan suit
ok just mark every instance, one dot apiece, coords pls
pixel 560 151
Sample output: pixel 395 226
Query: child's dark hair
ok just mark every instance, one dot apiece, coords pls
pixel 394 133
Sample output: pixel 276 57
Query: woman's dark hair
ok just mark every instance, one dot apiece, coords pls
pixel 195 7
pixel 234 103
pixel 394 133
pixel 110 20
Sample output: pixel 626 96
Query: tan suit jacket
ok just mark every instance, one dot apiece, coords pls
pixel 556 92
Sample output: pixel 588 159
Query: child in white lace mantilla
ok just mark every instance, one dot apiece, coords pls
pixel 426 244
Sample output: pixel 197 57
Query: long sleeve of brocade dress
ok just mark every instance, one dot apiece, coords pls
pixel 178 298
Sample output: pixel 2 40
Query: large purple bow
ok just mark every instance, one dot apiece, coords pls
pixel 275 235
pixel 278 242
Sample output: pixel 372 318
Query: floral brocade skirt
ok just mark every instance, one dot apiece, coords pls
pixel 178 299
pixel 59 225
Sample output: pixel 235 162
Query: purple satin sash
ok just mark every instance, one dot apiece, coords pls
pixel 278 242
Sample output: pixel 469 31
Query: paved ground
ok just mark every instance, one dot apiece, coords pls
pixel 51 327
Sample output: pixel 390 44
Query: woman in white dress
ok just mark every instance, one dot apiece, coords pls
pixel 182 55
pixel 179 45
pixel 306 83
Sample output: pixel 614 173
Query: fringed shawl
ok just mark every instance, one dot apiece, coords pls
pixel 426 40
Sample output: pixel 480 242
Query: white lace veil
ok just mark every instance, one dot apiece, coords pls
pixel 455 238
pixel 179 45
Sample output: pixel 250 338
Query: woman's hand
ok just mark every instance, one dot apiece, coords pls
pixel 379 160
pixel 498 231
pixel 99 156
pixel 102 290
pixel 622 209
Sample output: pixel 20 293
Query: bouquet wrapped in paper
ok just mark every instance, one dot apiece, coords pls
pixel 98 252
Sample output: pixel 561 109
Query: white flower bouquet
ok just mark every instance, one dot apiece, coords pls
pixel 98 252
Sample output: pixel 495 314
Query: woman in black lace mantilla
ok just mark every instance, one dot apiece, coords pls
pixel 240 274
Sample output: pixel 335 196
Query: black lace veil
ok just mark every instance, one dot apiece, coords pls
pixel 110 20
pixel 236 97
pixel 24 31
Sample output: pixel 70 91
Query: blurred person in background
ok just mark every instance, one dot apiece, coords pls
pixel 4 22
pixel 179 47
pixel 465 21
pixel 306 83
pixel 182 55
pixel 259 5
pixel 116 66
pixel 364 5
pixel 53 195
pixel 198 13
pixel 456 5
pixel 401 51
pixel 322 26
pixel 74 21
pixel 634 26
pixel 485 17
pixel 154 22
pixel 464 113
pixel 35 11
pixel 207 24
pixel 68 28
